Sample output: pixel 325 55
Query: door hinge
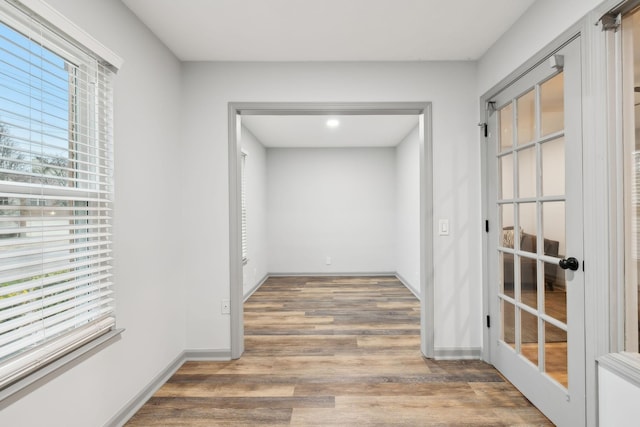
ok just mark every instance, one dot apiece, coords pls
pixel 486 225
pixel 488 321
pixel 557 62
pixel 484 129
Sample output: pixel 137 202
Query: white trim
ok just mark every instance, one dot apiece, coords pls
pixel 207 355
pixel 422 110
pixel 406 285
pixel 336 274
pixel 624 365
pixel 131 407
pixel 63 24
pixel 599 164
pixel 269 275
pixel 16 390
pixel 462 353
pixel 427 277
pixel 255 287
pixel 236 284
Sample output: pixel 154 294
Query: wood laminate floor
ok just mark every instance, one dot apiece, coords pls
pixel 335 351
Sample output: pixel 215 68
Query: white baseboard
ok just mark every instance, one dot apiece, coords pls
pixel 378 274
pixel 339 274
pixel 130 409
pixel 207 355
pixel 255 287
pixel 139 399
pixel 457 353
pixel 408 286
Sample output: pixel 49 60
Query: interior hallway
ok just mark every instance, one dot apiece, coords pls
pixel 335 351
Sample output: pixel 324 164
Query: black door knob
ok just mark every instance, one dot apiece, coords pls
pixel 569 263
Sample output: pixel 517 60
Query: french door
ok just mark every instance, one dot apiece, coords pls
pixel 536 294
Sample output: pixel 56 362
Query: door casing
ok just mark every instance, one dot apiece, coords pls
pixel 422 109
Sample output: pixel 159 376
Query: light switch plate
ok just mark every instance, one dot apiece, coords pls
pixel 443 227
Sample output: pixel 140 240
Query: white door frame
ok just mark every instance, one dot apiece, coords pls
pixel 423 110
pixel 598 164
pixel 557 402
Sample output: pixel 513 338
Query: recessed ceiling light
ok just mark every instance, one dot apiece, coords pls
pixel 332 123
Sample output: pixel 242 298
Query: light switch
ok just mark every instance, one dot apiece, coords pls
pixel 443 227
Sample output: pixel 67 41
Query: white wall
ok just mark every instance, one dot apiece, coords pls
pixel 256 198
pixel 540 25
pixel 408 210
pixel 148 284
pixel 451 86
pixel 331 202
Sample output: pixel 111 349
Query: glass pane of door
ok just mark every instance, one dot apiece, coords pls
pixel 506 127
pixel 527 173
pixel 555 349
pixel 529 336
pixel 526 118
pixel 533 292
pixel 552 105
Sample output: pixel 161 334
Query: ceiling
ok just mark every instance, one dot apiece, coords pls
pixel 312 131
pixel 328 30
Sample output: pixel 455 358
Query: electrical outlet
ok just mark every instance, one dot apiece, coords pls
pixel 328 260
pixel 226 306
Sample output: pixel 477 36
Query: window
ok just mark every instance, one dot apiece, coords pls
pixel 243 202
pixel 631 135
pixel 55 195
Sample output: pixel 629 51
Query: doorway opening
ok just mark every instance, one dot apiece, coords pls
pixel 238 110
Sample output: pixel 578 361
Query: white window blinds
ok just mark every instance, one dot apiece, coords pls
pixel 243 201
pixel 55 195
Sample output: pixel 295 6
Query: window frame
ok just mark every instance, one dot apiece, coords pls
pixel 621 121
pixel 21 16
pixel 613 356
pixel 627 121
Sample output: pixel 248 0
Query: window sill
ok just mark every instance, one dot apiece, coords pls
pixel 625 365
pixel 25 385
